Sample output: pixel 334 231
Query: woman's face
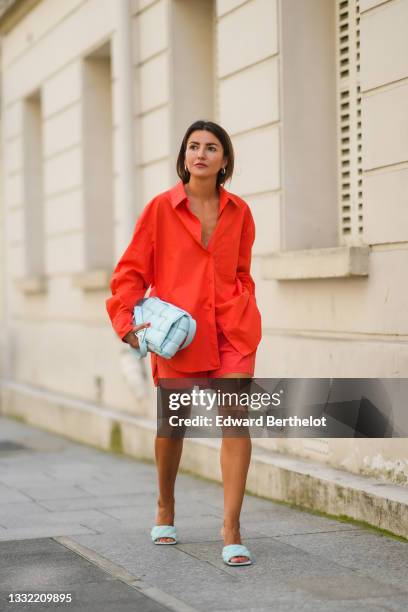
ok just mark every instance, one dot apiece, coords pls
pixel 204 154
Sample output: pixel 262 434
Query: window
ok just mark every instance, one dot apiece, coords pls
pixel 321 116
pixel 97 159
pixel 33 186
pixel 192 65
pixel 349 122
pixel 308 117
pixel 322 213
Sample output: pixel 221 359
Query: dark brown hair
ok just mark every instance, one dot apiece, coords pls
pixel 225 141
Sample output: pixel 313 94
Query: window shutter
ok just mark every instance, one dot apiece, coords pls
pixel 349 122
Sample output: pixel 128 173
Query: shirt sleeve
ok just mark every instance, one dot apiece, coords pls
pixel 245 251
pixel 133 274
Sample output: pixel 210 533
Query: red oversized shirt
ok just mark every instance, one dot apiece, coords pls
pixel 212 284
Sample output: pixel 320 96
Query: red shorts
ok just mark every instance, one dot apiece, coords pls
pixel 231 362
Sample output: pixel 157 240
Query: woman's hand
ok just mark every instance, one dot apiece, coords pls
pixel 130 337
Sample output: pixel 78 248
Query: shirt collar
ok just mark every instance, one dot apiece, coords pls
pixel 178 195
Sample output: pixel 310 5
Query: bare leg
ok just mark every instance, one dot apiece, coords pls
pixel 168 453
pixel 235 459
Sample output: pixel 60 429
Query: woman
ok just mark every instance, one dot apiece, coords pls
pixel 192 245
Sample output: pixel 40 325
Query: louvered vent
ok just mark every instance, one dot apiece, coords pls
pixel 349 122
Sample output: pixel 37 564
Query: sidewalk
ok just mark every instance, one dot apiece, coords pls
pixel 77 520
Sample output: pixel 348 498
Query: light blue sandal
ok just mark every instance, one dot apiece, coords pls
pixel 163 531
pixel 235 550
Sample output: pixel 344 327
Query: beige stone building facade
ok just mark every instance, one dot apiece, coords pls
pixel 96 95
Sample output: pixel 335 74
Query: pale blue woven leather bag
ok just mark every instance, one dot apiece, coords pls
pixel 171 328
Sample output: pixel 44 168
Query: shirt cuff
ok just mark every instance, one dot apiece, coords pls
pixel 123 334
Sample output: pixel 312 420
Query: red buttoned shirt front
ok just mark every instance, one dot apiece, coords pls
pixel 212 284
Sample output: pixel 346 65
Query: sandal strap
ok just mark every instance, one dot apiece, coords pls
pixel 235 550
pixel 163 531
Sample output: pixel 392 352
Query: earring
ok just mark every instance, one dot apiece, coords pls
pixel 223 171
pixel 185 168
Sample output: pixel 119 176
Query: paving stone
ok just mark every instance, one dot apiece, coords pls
pixel 344 587
pixel 24 509
pixel 54 492
pixel 9 495
pixel 269 524
pixel 394 603
pixel 149 510
pixel 271 555
pixel 95 597
pixel 281 603
pixel 365 552
pixel 95 474
pixel 128 471
pixel 114 526
pixel 83 517
pixel 48 567
pixel 107 503
pixel 93 501
pixel 142 558
pixel 22 533
pixel 100 488
pixel 229 586
pixel 28 478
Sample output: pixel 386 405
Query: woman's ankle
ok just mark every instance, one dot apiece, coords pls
pixel 231 535
pixel 165 504
pixel 165 512
pixel 231 525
